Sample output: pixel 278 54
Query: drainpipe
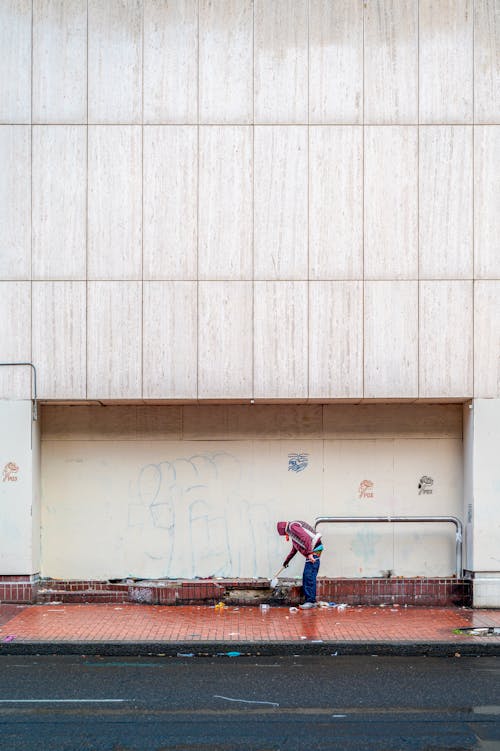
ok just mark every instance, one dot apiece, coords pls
pixel 34 397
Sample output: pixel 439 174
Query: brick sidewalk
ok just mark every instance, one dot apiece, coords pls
pixel 183 625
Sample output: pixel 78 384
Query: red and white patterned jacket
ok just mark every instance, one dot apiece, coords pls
pixel 304 538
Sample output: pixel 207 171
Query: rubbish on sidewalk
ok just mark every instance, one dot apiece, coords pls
pixel 264 608
pixel 11 637
pixel 322 604
pixel 220 606
pixel 342 606
pixel 293 610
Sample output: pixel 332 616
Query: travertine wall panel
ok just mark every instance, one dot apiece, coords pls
pixel 487 197
pixel 445 202
pixel 487 338
pixel 59 189
pixel 225 215
pixel 225 337
pixel 15 202
pixel 336 339
pixel 335 202
pixel 114 202
pixel 391 339
pixel 446 64
pixel 15 343
pixel 115 61
pixel 15 61
pixel 59 61
pixel 170 61
pixel 391 61
pixel 281 206
pixel 390 214
pixel 170 334
pixel 59 339
pixel 226 61
pixel 281 61
pixel 280 333
pixel 114 340
pixel 445 336
pixel 170 202
pixel 335 61
pixel 487 61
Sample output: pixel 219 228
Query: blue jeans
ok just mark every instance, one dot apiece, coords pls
pixel 309 579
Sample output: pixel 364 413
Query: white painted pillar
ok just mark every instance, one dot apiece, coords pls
pixel 482 499
pixel 19 489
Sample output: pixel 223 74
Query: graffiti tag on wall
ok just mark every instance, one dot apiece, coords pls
pixel 194 512
pixel 10 472
pixel 425 485
pixel 297 462
pixel 366 489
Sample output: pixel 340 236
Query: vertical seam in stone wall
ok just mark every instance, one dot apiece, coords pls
pixel 142 203
pixel 418 199
pixel 198 207
pixel 253 202
pixel 363 170
pixel 87 212
pixel 473 353
pixel 31 189
pixel 308 297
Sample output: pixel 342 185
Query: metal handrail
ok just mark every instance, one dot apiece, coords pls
pixel 451 519
pixel 34 397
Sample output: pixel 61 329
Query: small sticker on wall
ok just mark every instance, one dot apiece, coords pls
pixel 425 485
pixel 10 472
pixel 297 462
pixel 366 489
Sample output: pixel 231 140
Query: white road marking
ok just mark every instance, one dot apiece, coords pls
pixel 61 701
pixel 247 701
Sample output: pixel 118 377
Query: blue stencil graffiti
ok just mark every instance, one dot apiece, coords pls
pixel 297 462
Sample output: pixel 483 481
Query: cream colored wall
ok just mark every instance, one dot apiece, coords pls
pixel 232 199
pixel 19 489
pixel 196 491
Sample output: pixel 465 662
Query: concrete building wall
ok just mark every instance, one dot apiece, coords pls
pixel 235 199
pixel 250 201
pixel 19 489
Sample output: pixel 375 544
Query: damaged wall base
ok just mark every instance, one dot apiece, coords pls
pixel 374 591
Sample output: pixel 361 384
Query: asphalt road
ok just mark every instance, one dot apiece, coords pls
pixel 264 704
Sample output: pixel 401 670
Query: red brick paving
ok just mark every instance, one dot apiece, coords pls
pixel 136 623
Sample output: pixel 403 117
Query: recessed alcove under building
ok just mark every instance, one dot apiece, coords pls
pixel 194 491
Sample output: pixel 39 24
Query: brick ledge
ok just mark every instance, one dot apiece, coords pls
pixel 412 591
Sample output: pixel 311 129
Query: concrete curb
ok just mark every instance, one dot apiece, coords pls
pixel 253 649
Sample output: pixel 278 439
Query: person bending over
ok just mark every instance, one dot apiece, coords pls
pixel 308 542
